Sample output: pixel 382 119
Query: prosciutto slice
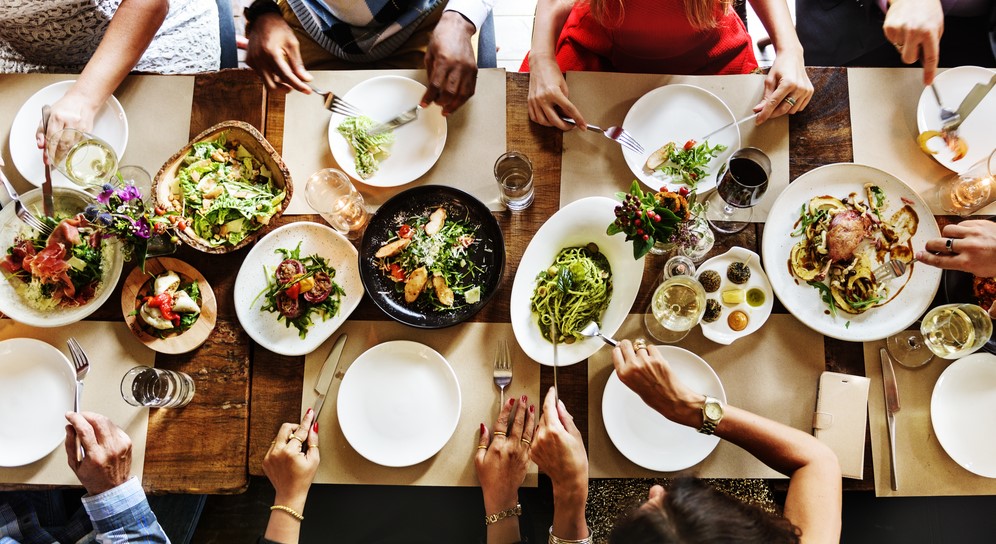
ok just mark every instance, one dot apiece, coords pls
pixel 50 265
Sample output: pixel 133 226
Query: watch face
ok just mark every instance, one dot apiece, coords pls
pixel 713 411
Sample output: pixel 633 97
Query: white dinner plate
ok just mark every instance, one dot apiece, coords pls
pixel 678 113
pixel 416 146
pixel 649 439
pixel 261 262
pixel 577 224
pixel 399 403
pixel 110 125
pixel 37 388
pixel 977 130
pixel 963 412
pixel 719 331
pixel 802 300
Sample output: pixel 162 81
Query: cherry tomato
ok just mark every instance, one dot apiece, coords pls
pixel 397 274
pixel 689 145
pixel 293 291
pixel 405 231
pixel 321 290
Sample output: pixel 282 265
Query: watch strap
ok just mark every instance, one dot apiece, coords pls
pixel 708 424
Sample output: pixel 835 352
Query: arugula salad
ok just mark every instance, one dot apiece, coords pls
pixel 227 192
pixel 685 164
pixel 300 288
pixel 370 150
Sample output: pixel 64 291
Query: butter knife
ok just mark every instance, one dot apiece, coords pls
pixel 329 373
pixel 972 99
pixel 404 118
pixel 48 203
pixel 728 125
pixel 891 407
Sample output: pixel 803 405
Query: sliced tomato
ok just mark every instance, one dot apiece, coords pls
pixel 689 145
pixel 405 231
pixel 397 273
pixel 288 270
pixel 293 291
pixel 321 290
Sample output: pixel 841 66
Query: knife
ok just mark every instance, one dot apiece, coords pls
pixel 728 125
pixel 404 118
pixel 972 99
pixel 891 407
pixel 329 373
pixel 48 204
pixel 553 338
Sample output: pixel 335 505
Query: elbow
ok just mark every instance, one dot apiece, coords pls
pixel 825 461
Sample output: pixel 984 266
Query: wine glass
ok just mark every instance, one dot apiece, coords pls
pixel 330 193
pixel 950 331
pixel 968 192
pixel 743 181
pixel 676 307
pixel 84 158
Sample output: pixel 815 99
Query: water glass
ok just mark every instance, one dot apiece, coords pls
pixel 743 181
pixel 330 193
pixel 84 158
pixel 966 193
pixel 157 388
pixel 137 176
pixel 514 174
pixel 676 307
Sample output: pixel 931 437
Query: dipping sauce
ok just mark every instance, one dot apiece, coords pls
pixel 755 297
pixel 737 321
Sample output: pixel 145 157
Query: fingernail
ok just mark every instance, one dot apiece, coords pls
pixel 315 426
pixel 511 401
pixel 532 409
pixel 482 428
pixel 308 413
pixel 523 399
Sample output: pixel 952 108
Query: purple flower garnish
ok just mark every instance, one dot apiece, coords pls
pixel 105 194
pixel 141 228
pixel 130 192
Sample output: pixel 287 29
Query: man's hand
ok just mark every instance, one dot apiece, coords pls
pixel 107 463
pixel 972 249
pixel 275 54
pixel 450 63
pixel 914 27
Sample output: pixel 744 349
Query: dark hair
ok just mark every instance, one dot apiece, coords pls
pixel 694 512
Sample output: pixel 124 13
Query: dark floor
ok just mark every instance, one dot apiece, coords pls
pixel 388 514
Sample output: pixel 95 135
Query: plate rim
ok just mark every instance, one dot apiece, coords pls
pixel 709 330
pixel 927 97
pixel 980 360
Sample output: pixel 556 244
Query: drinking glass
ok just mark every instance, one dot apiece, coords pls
pixel 157 388
pixel 514 174
pixel 330 193
pixel 137 176
pixel 84 158
pixel 966 193
pixel 676 307
pixel 950 331
pixel 742 183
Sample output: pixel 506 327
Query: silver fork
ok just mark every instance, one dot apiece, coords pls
pixel 948 115
pixel 891 269
pixel 616 134
pixel 22 213
pixel 335 104
pixel 503 368
pixel 82 364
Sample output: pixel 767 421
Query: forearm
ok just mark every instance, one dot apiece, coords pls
pixel 122 514
pixel 506 530
pixel 551 15
pixel 568 511
pixel 777 21
pixel 283 527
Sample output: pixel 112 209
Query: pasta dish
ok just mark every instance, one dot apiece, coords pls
pixel 574 291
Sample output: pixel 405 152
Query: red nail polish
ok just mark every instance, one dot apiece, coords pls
pixel 315 427
pixel 523 399
pixel 308 412
pixel 482 428
pixel 532 409
pixel 511 401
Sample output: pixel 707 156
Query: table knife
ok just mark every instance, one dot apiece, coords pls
pixel 329 373
pixel 404 118
pixel 891 407
pixel 728 125
pixel 48 203
pixel 972 99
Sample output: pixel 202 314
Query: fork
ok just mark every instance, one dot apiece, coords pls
pixel 948 116
pixel 891 269
pixel 22 213
pixel 335 104
pixel 82 364
pixel 616 134
pixel 503 368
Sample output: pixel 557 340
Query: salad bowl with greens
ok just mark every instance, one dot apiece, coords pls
pixel 228 184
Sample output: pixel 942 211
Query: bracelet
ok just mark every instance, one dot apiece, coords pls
pixel 495 518
pixel 289 510
pixel 557 540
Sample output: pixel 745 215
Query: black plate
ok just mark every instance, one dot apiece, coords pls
pixel 488 253
pixel 958 288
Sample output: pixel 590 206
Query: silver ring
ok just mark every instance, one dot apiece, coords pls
pixel 949 245
pixel 790 100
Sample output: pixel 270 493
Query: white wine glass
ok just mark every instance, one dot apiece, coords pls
pixel 84 158
pixel 950 331
pixel 676 307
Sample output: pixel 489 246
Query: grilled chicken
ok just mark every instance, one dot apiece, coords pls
pixel 847 229
pixel 443 291
pixel 415 284
pixel 392 249
pixel 436 221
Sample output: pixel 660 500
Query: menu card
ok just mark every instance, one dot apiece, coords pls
pixel 591 165
pixel 112 350
pixel 475 138
pixel 765 373
pixel 469 348
pixel 923 467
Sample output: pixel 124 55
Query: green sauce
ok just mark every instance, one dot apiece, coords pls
pixel 755 297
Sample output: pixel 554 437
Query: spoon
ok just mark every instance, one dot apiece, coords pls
pixel 591 330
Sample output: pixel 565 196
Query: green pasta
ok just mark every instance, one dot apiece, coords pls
pixel 573 292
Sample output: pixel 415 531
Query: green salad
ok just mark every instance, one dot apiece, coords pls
pixel 299 288
pixel 227 192
pixel 370 150
pixel 685 164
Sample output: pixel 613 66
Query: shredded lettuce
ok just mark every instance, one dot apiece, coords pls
pixel 370 150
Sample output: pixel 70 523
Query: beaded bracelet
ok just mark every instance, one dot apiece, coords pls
pixel 495 518
pixel 289 510
pixel 557 540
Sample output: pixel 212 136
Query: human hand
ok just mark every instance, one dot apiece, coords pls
pixel 973 248
pixel 290 469
pixel 107 463
pixel 649 375
pixel 558 449
pixel 451 68
pixel 914 27
pixel 74 110
pixel 786 82
pixel 275 54
pixel 502 459
pixel 548 94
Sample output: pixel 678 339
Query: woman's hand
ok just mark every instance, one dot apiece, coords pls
pixel 292 461
pixel 649 375
pixel 74 110
pixel 558 450
pixel 914 28
pixel 275 54
pixel 501 462
pixel 547 92
pixel 787 88
pixel 973 248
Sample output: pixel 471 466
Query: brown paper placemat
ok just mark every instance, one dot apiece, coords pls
pixel 924 468
pixel 112 350
pixel 594 166
pixel 469 348
pixel 765 373
pixel 883 128
pixel 157 107
pixel 475 138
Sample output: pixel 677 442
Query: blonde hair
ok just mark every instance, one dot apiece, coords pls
pixel 702 14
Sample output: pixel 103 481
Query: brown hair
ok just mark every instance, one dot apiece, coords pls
pixel 702 14
pixel 694 512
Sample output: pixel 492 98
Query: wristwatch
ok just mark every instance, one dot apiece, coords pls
pixel 258 8
pixel 712 413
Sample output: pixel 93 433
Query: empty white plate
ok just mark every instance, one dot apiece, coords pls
pixel 963 412
pixel 399 403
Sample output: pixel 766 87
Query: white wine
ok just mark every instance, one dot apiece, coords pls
pixel 955 330
pixel 679 303
pixel 90 163
pixel 350 213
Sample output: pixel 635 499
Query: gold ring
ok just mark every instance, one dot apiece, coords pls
pixel 949 245
pixel 294 437
pixel 898 45
pixel 482 447
pixel 312 446
pixel 499 433
pixel 528 442
pixel 790 100
pixel 639 344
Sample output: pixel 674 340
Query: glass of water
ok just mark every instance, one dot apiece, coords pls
pixel 157 388
pixel 331 194
pixel 84 158
pixel 514 174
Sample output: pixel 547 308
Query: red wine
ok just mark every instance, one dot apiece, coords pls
pixel 744 183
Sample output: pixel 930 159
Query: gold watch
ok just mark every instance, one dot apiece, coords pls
pixel 712 413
